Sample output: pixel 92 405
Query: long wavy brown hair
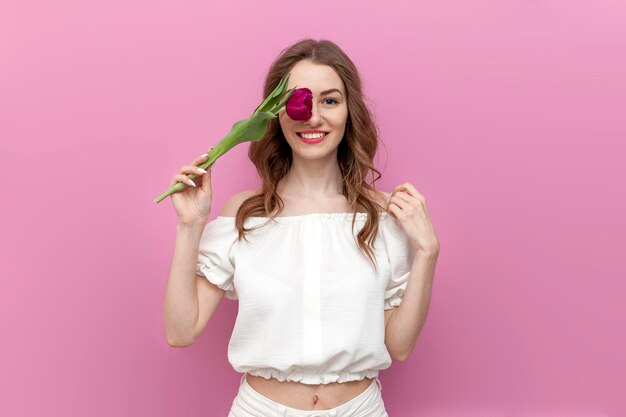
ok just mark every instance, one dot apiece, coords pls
pixel 272 156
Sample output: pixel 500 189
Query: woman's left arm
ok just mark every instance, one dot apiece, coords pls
pixel 405 324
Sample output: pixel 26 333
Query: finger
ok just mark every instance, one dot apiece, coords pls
pixel 394 210
pixel 413 202
pixel 402 204
pixel 206 181
pixel 393 203
pixel 192 169
pixel 184 179
pixel 202 158
pixel 410 189
pixel 176 179
pixel 398 208
pixel 198 174
pixel 403 195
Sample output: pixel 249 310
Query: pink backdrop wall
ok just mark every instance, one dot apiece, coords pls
pixel 507 116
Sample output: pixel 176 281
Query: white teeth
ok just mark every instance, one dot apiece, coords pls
pixel 312 135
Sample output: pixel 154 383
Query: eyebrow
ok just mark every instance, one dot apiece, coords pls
pixel 323 93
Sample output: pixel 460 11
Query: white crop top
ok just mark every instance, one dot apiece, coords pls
pixel 310 303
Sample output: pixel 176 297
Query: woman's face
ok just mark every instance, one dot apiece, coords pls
pixel 329 112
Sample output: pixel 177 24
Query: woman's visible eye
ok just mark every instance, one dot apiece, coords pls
pixel 331 99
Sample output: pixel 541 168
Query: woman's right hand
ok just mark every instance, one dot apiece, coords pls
pixel 193 204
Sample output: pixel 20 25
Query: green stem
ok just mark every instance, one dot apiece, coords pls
pixel 214 153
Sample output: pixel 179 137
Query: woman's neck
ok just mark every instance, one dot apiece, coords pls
pixel 314 181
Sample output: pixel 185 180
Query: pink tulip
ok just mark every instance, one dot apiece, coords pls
pixel 300 103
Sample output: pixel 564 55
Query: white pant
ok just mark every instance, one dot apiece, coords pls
pixel 251 403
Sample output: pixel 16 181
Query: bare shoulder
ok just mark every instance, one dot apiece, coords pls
pixel 234 202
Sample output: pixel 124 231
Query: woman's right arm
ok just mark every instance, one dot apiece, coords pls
pixel 190 299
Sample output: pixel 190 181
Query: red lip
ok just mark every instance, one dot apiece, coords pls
pixel 312 131
pixel 312 141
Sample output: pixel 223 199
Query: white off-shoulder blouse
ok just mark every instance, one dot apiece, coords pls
pixel 310 302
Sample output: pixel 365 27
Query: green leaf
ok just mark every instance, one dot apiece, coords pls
pixel 255 127
pixel 280 88
pixel 237 123
pixel 273 97
pixel 283 101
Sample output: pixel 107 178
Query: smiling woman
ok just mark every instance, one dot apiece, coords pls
pixel 314 257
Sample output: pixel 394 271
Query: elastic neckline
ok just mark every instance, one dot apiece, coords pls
pixel 334 215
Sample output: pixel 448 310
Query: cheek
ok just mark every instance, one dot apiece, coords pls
pixel 338 121
pixel 340 116
pixel 283 123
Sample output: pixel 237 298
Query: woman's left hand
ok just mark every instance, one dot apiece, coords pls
pixel 408 206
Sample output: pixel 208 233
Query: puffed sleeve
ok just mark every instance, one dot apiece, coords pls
pixel 215 255
pixel 401 255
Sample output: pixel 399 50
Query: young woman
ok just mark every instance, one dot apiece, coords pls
pixel 319 260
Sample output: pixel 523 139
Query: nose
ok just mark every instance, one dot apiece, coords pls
pixel 316 117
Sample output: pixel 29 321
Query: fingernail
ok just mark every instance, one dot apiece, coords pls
pixel 202 170
pixel 191 182
pixel 204 155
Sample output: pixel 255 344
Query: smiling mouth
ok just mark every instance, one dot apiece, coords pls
pixel 298 133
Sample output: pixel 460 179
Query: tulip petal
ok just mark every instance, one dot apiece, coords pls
pixel 300 104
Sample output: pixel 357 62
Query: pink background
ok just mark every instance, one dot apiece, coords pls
pixel 508 116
